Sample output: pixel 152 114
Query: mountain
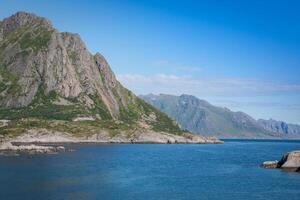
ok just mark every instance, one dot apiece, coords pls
pixel 49 80
pixel 283 128
pixel 198 116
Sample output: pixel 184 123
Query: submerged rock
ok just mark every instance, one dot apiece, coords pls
pixel 289 162
pixel 9 148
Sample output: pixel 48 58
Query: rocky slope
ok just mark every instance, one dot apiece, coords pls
pixel 200 117
pixel 48 79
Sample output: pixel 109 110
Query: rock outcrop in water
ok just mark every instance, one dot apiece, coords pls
pixel 8 148
pixel 50 82
pixel 289 162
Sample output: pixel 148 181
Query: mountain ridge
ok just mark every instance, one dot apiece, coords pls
pixel 280 126
pixel 201 117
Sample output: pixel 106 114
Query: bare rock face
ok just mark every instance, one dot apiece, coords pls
pixel 283 128
pixel 34 54
pixel 289 162
pixel 18 20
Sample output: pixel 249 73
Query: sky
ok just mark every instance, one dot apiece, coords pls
pixel 244 55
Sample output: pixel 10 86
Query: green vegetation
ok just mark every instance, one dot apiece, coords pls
pixel 42 98
pixel 14 36
pixel 35 37
pixel 9 82
pixel 162 122
pixel 100 107
pixel 79 129
pixel 42 113
pixel 3 87
pixel 72 55
pixel 49 111
pixel 166 124
pixel 137 108
pixel 37 40
pixel 102 78
pixel 42 107
pixel 132 111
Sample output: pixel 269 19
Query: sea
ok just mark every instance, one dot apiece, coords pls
pixel 229 171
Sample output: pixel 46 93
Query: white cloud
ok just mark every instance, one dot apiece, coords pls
pixel 260 99
pixel 287 105
pixel 172 84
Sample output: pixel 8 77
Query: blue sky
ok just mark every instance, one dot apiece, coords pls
pixel 244 55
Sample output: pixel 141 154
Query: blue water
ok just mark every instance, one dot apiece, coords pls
pixel 228 171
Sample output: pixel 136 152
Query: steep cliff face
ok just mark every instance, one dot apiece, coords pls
pixel 48 74
pixel 35 54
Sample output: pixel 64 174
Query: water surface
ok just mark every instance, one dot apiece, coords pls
pixel 152 171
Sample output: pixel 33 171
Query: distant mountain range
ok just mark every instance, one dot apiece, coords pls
pixel 292 130
pixel 199 116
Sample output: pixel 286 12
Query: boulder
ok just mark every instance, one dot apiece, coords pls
pixel 289 162
pixel 270 164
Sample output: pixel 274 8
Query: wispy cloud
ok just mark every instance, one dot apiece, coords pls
pixel 259 104
pixel 172 84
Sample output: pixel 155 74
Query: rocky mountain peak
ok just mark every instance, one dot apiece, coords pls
pixel 20 19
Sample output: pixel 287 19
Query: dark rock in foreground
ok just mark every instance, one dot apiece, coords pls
pixel 289 162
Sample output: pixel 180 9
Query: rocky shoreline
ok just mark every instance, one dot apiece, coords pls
pixel 9 148
pixel 39 141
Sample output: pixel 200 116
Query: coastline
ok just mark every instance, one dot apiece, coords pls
pixel 37 141
pixel 260 139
